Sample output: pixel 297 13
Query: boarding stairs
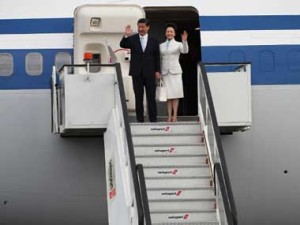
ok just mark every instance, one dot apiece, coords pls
pixel 167 173
pixel 156 173
pixel 177 172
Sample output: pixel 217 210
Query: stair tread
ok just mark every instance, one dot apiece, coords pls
pixel 174 156
pixel 193 145
pixel 211 222
pixel 166 145
pixel 132 117
pixel 215 222
pixel 176 166
pixel 179 123
pixel 144 151
pixel 211 211
pixel 187 223
pixel 180 161
pixel 177 170
pixel 181 206
pixel 166 129
pixel 173 211
pixel 207 188
pixel 204 198
pixel 182 189
pixel 197 211
pixel 170 156
pixel 169 189
pixel 171 200
pixel 167 135
pixel 178 183
pixel 180 194
pixel 180 178
pixel 170 147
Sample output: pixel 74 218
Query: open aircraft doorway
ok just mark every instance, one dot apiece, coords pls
pixel 185 18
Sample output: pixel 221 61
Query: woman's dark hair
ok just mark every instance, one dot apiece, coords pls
pixel 173 25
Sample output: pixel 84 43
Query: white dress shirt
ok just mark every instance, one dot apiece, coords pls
pixel 144 41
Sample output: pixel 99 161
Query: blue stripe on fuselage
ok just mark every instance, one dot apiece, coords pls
pixel 34 26
pixel 207 23
pixel 20 80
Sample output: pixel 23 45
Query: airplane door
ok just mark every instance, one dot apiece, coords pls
pixel 185 18
pixel 98 29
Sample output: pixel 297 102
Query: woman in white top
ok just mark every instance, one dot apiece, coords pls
pixel 171 70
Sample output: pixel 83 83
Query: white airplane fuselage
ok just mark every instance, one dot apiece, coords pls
pixel 46 179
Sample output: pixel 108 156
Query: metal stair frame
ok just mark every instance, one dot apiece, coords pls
pixel 178 178
pixel 226 208
pixel 132 175
pixel 225 202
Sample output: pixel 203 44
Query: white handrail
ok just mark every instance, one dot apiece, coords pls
pixel 55 124
pixel 205 115
pixel 116 147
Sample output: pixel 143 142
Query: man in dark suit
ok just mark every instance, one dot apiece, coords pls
pixel 144 67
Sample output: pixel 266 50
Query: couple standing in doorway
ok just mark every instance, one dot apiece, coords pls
pixel 150 62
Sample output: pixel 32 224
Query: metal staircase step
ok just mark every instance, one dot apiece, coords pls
pixel 176 171
pixel 177 174
pixel 188 223
pixel 177 183
pixel 170 150
pixel 180 194
pixel 165 128
pixel 163 119
pixel 172 160
pixel 175 140
pixel 182 206
pixel 201 217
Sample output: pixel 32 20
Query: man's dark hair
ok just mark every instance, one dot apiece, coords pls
pixel 144 20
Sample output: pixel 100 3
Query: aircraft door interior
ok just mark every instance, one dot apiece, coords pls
pixel 185 18
pixel 95 38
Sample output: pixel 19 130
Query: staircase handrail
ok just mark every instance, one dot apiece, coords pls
pixel 144 196
pixel 219 148
pixel 130 145
pixel 218 175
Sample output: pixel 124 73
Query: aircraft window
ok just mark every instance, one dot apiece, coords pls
pixel 34 64
pixel 266 61
pixel 6 64
pixel 294 61
pixel 62 58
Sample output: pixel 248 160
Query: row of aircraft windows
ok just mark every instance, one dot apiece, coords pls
pixel 33 63
pixel 267 60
